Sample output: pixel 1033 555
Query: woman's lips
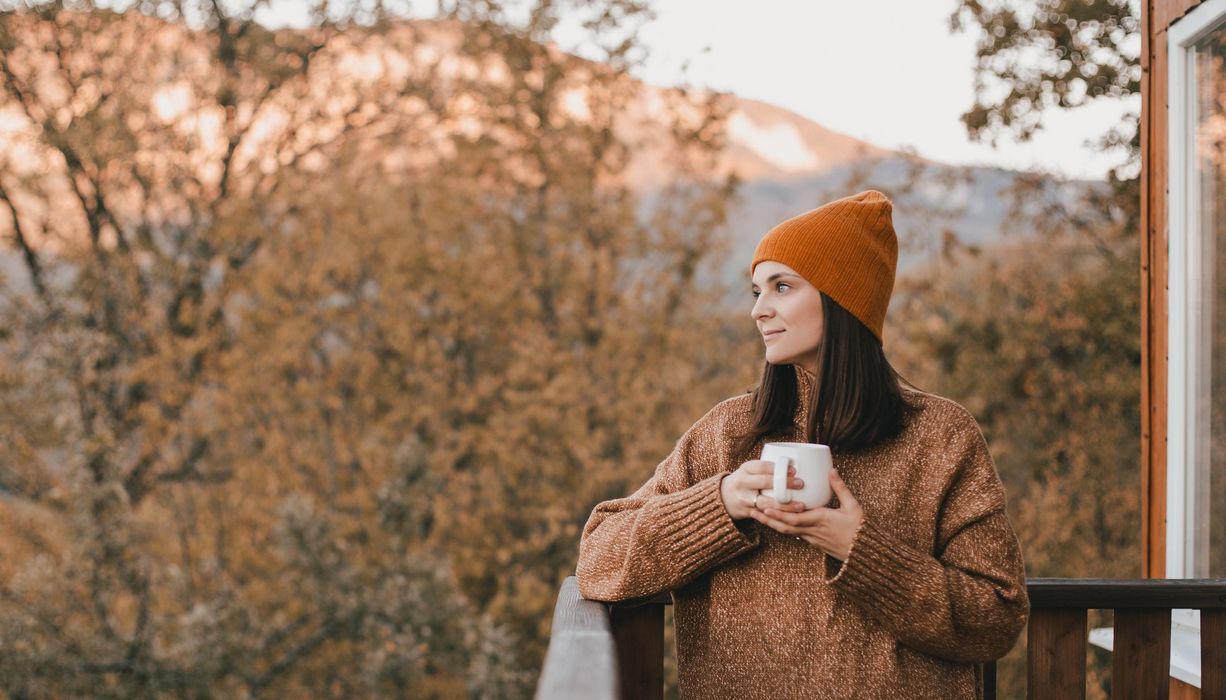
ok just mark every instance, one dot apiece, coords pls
pixel 771 334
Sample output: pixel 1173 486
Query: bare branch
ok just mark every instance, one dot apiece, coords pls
pixel 293 655
pixel 27 251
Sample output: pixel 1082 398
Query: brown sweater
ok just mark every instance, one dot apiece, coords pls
pixel 934 581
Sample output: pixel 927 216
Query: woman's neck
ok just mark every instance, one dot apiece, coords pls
pixel 806 387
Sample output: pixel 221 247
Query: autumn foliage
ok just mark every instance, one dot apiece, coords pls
pixel 319 345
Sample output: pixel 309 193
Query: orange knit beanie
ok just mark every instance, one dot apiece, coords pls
pixel 847 249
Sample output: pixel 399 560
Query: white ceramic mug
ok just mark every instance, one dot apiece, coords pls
pixel 813 464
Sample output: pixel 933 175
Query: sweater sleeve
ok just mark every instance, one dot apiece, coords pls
pixel 669 531
pixel 966 601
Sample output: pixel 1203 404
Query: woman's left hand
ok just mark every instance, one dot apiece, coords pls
pixel 829 529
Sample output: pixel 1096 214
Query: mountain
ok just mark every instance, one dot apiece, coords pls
pixel 764 142
pixel 787 164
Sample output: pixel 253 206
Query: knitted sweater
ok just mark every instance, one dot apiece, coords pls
pixel 934 581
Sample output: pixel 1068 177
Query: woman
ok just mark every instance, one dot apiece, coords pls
pixel 910 576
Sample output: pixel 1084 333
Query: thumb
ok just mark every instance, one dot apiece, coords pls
pixel 840 488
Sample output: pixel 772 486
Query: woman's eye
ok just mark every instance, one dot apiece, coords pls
pixel 755 293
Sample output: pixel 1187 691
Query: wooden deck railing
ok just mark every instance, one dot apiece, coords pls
pixel 610 651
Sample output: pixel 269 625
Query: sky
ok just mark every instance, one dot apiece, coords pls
pixel 889 72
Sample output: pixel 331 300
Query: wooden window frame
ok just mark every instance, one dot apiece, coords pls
pixel 1185 427
pixel 1157 16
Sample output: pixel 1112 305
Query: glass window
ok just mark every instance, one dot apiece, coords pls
pixel 1207 88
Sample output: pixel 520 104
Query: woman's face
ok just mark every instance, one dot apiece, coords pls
pixel 788 311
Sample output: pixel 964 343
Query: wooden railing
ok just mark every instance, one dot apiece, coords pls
pixel 610 651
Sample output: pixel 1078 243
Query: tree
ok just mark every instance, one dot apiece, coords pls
pixel 1056 54
pixel 332 337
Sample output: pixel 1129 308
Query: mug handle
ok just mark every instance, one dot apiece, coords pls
pixel 781 479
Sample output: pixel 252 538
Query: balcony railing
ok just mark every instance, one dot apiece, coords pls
pixel 609 651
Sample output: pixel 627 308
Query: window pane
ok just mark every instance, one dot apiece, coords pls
pixel 1209 315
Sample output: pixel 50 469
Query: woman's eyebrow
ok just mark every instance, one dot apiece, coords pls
pixel 773 277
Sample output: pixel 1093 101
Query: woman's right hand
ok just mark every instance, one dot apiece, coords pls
pixel 739 488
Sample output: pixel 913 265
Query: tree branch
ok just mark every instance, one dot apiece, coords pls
pixel 27 251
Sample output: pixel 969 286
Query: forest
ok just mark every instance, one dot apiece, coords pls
pixel 318 346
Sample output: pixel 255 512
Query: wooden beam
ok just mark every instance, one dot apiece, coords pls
pixel 581 661
pixel 1167 12
pixel 1147 395
pixel 1154 321
pixel 988 680
pixel 1056 654
pixel 1141 655
pixel 639 633
pixel 1126 594
pixel 1213 654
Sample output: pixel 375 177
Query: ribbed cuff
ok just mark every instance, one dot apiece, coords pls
pixel 877 570
pixel 699 531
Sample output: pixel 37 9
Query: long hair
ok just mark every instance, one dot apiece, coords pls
pixel 859 395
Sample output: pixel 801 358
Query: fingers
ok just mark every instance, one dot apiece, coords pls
pixel 840 488
pixel 802 518
pixel 758 482
pixel 754 499
pixel 758 466
pixel 766 502
pixel 758 474
pixel 776 523
pixel 790 523
pixel 762 466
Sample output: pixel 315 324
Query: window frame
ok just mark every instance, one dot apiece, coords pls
pixel 1185 423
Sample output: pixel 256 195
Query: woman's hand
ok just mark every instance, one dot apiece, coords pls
pixel 829 529
pixel 740 488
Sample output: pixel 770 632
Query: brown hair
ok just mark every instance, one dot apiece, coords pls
pixel 859 395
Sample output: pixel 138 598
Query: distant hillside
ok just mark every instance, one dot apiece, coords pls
pixel 787 163
pixel 967 202
pixel 765 142
pixel 932 202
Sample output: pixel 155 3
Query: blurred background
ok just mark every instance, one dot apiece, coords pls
pixel 324 325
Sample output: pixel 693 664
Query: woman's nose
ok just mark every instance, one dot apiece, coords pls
pixel 760 309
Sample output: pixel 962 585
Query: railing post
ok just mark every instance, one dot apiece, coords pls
pixel 1142 651
pixel 1213 654
pixel 639 634
pixel 987 677
pixel 1056 654
pixel 581 661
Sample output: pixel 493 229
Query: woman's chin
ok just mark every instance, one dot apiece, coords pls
pixel 776 358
